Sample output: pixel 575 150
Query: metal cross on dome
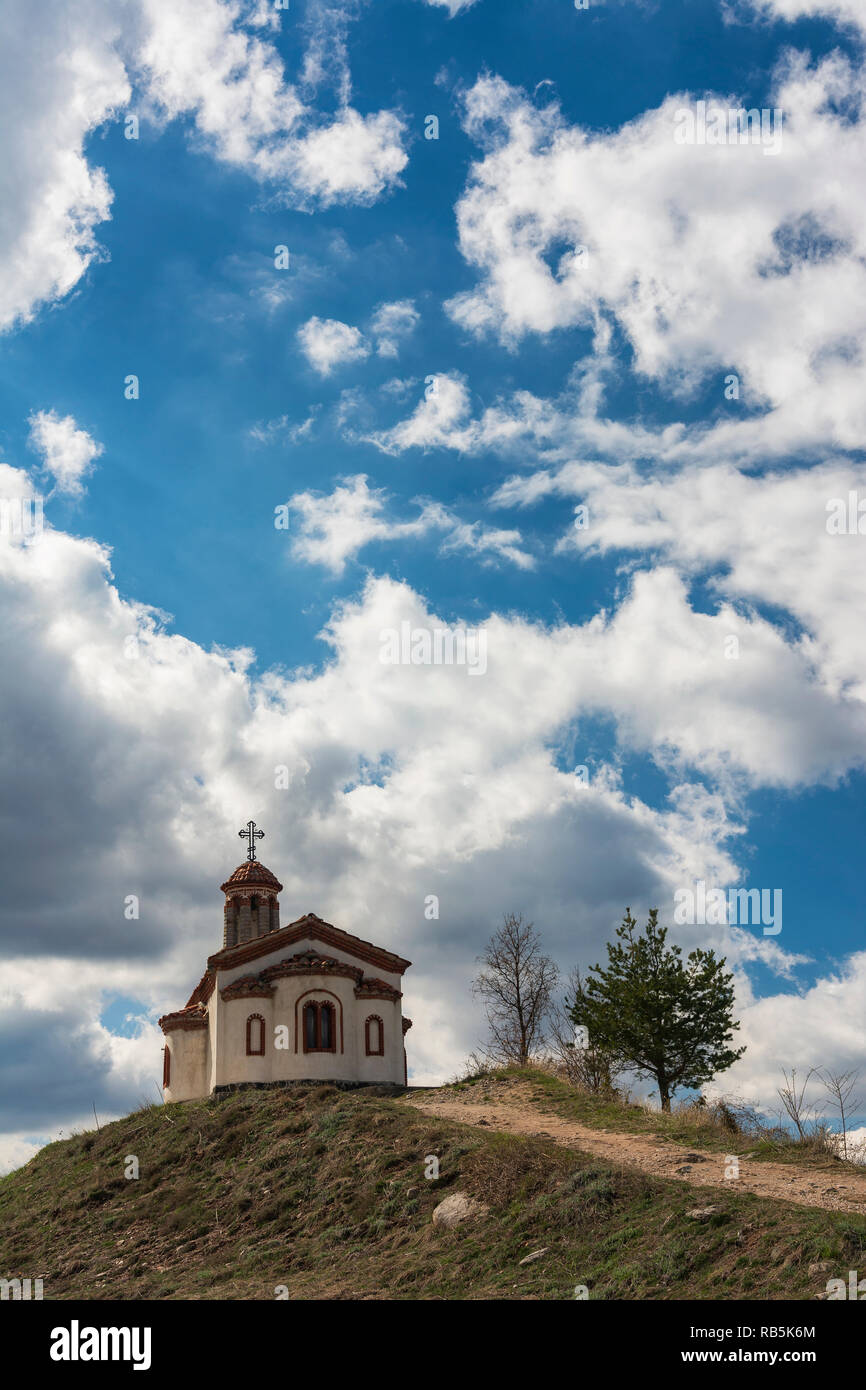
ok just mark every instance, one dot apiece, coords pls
pixel 251 835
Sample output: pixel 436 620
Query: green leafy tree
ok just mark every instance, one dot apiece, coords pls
pixel 657 1014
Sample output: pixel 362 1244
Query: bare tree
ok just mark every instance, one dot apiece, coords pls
pixel 793 1099
pixel 840 1087
pixel 516 982
pixel 584 1064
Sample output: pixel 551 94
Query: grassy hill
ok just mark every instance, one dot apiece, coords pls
pixel 324 1192
pixel 715 1128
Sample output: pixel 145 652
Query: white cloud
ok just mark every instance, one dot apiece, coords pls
pixel 212 61
pixel 524 424
pixel 455 6
pixel 199 60
pixel 327 343
pixel 573 424
pixel 437 422
pixel 821 1026
pixel 843 12
pixel 16 1150
pixel 527 425
pixel 326 57
pixel 355 159
pixel 849 14
pixel 281 427
pixel 481 540
pixel 334 528
pixel 60 79
pixel 783 707
pixel 710 259
pixel 762 540
pixel 767 716
pixel 68 453
pixel 391 323
pixel 398 387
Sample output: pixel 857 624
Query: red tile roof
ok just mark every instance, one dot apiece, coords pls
pixel 254 873
pixel 308 926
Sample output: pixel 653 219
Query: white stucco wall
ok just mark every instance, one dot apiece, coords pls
pixel 216 1056
pixel 189 1072
pixel 284 1011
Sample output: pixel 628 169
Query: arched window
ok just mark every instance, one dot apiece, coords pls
pixel 255 1036
pixel 374 1031
pixel 320 1034
pixel 166 1066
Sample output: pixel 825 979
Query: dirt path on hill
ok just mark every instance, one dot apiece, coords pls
pixel 516 1113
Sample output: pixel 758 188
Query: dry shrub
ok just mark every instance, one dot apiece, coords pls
pixel 323 1093
pixel 507 1167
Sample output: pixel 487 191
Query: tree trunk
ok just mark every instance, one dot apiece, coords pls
pixel 664 1094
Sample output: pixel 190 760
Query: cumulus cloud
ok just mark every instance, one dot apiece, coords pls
pixel 524 425
pixel 848 13
pixel 354 159
pixel 438 421
pixel 199 60
pixel 391 323
pixel 576 423
pixel 333 528
pixel 756 538
pixel 328 343
pixel 816 1027
pixel 765 715
pixel 403 781
pixel 67 452
pixel 212 62
pixel 488 543
pixel 786 540
pixel 707 258
pixel 55 88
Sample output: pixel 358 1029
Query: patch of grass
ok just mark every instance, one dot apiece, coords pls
pixel 720 1128
pixel 325 1193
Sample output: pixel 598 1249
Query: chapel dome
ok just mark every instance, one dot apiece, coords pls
pixel 252 874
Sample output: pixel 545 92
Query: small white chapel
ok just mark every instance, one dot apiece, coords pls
pixel 277 1005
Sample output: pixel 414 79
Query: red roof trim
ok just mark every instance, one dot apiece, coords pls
pixel 195 1017
pixel 247 987
pixel 203 990
pixel 313 927
pixel 376 989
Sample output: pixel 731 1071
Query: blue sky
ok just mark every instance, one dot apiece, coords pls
pixel 432 387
